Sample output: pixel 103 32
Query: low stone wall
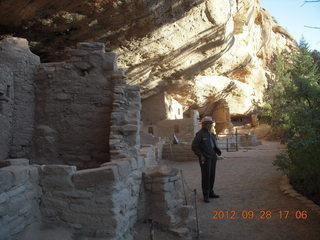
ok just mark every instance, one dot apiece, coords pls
pixel 99 202
pixel 165 204
pixel 185 129
pixel 180 152
pixel 19 197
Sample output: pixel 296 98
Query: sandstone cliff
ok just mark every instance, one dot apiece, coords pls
pixel 199 51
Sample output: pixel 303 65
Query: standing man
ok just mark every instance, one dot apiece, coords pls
pixel 204 145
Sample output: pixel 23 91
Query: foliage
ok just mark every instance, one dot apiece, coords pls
pixel 293 105
pixel 316 58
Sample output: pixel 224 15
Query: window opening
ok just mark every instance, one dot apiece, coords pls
pixel 150 130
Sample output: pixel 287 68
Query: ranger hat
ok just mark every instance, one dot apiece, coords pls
pixel 207 119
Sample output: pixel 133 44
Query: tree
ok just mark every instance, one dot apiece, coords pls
pixel 293 101
pixel 316 58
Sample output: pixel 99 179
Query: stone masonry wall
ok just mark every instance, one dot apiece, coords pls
pixel 6 110
pixel 19 197
pixel 74 103
pixel 165 204
pixel 17 68
pixel 125 119
pixel 98 202
pixel 103 201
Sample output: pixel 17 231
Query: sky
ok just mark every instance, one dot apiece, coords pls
pixel 294 16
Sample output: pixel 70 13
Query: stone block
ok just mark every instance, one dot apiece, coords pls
pixel 174 178
pixel 161 187
pixel 19 190
pixel 135 189
pixel 81 218
pixel 97 176
pixel 185 211
pixel 17 225
pixel 4 163
pixel 124 167
pixel 3 197
pixel 110 62
pixel 18 162
pixel 33 194
pixel 49 212
pixel 118 90
pixel 25 209
pixel 130 128
pixel 158 197
pixel 58 170
pixel 16 203
pixel 92 208
pixel 63 96
pixel 19 173
pixel 6 179
pixel 164 220
pixel 162 171
pixel 154 180
pixel 140 162
pixel 34 174
pixel 136 175
pixel 104 198
pixel 54 203
pixel 3 211
pixel 123 196
pixel 56 182
pixel 76 194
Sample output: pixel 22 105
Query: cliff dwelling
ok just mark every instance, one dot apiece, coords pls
pixel 92 94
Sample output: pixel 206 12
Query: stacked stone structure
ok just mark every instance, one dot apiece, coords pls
pixel 17 100
pixel 19 197
pixel 165 200
pixel 86 117
pixel 74 104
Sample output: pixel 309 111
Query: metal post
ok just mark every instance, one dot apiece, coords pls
pixel 227 143
pixel 236 139
pixel 196 208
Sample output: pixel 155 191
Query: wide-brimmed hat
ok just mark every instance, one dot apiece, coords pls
pixel 207 119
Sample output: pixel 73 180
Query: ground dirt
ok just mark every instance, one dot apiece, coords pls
pixel 246 181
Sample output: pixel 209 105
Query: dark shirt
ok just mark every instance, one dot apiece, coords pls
pixel 205 144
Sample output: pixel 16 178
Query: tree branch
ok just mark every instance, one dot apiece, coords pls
pixel 309 2
pixel 311 26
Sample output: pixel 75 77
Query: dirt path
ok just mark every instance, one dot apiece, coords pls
pixel 247 181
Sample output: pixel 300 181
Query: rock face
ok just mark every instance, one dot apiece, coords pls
pixel 163 45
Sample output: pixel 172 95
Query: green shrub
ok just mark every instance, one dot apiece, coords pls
pixel 293 106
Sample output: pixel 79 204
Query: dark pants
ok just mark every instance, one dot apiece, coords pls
pixel 208 173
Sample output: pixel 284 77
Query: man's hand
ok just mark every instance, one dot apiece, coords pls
pixel 202 159
pixel 218 151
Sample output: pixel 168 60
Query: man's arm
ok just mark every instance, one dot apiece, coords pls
pixel 216 149
pixel 195 146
